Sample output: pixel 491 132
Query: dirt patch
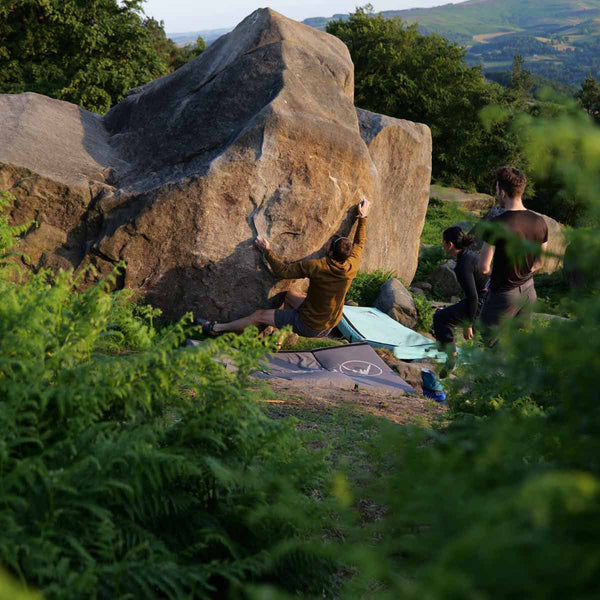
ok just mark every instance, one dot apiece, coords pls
pixel 401 409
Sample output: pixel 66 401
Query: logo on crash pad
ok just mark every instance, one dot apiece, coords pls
pixel 361 367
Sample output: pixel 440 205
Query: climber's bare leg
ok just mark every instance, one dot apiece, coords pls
pixel 258 317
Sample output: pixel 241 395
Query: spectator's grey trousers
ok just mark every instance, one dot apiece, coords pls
pixel 500 306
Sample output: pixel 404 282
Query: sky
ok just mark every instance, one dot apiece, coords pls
pixel 197 15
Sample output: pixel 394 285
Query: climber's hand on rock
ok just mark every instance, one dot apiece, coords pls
pixel 262 244
pixel 363 207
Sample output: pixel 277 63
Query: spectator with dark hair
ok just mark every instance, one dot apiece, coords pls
pixel 456 243
pixel 317 313
pixel 511 281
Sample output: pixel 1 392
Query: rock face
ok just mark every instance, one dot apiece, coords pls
pixel 445 281
pixel 472 202
pixel 556 240
pixel 402 188
pixel 258 135
pixel 395 301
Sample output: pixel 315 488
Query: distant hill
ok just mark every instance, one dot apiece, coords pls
pixel 559 39
pixel 208 35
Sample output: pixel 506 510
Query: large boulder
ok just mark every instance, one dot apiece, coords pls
pixel 403 189
pixel 395 301
pixel 258 135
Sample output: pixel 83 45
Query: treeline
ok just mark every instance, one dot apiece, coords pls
pixel 403 73
pixel 505 46
pixel 90 52
pixel 569 65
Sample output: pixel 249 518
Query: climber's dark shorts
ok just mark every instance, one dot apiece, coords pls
pixel 292 317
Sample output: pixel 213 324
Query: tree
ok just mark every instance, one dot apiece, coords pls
pixel 89 52
pixel 404 74
pixel 168 52
pixel 589 97
pixel 521 80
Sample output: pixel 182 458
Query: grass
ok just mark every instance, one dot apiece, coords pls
pixel 365 286
pixel 440 216
pixel 299 343
pixel 347 434
pixel 430 258
pixel 551 290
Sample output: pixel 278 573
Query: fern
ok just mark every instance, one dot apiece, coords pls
pixel 131 466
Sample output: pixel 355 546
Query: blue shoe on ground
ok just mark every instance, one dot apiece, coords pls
pixel 432 388
pixel 437 396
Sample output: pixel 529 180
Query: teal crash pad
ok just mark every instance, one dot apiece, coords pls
pixel 365 324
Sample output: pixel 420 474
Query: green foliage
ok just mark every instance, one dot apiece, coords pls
pixel 521 80
pixel 440 216
pixel 303 343
pixel 9 235
pixel 589 97
pixel 147 473
pixel 552 290
pixel 89 52
pixel 504 503
pixel 430 258
pixel 11 590
pixel 365 286
pixel 168 52
pixel 424 78
pixel 557 39
pixel 425 311
pixel 560 190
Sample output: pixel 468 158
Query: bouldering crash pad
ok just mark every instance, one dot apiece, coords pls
pixel 370 325
pixel 348 366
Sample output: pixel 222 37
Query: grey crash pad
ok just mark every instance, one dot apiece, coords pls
pixel 345 367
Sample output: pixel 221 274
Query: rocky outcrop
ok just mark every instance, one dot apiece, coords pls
pixel 473 202
pixel 258 135
pixel 395 301
pixel 444 280
pixel 402 189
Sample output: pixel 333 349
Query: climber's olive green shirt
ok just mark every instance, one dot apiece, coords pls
pixel 329 282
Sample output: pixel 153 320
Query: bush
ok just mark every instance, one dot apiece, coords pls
pixel 366 286
pixel 430 258
pixel 425 312
pixel 400 72
pixel 147 473
pixel 505 502
pixel 440 216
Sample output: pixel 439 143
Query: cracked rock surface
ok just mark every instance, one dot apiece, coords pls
pixel 258 135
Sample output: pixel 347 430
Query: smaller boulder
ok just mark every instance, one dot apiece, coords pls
pixel 423 285
pixel 417 291
pixel 444 280
pixel 473 202
pixel 395 301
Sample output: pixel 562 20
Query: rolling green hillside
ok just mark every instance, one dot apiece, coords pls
pixel 559 39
